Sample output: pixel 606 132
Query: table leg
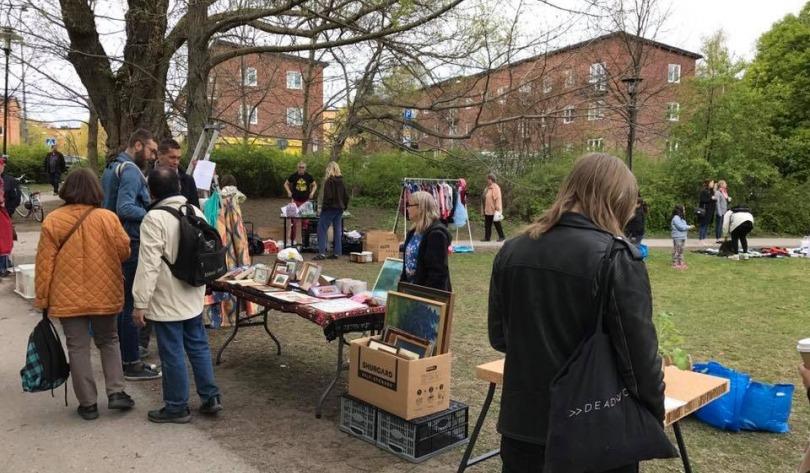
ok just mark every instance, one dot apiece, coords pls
pixel 233 334
pixel 338 369
pixel 687 467
pixel 285 232
pixel 465 460
pixel 267 329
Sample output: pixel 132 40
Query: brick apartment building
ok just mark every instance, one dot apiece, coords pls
pixel 572 99
pixel 262 97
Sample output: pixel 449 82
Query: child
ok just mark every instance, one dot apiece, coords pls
pixel 679 229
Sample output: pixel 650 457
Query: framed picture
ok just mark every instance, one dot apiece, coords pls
pixel 376 345
pixel 309 275
pixel 261 274
pixel 280 268
pixel 406 341
pixel 326 292
pixel 420 317
pixel 293 297
pixel 437 295
pixel 388 278
pixel 280 280
pixel 292 270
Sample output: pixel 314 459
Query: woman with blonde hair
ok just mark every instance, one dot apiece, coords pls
pixel 542 305
pixel 335 201
pixel 426 245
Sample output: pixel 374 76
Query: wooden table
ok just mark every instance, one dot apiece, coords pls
pixel 334 325
pixel 695 390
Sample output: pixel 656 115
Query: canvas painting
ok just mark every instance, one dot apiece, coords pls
pixel 436 295
pixel 423 318
pixel 388 278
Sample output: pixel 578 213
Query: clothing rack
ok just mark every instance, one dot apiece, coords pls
pixel 420 180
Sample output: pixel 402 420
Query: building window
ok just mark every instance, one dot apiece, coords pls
pixel 251 113
pixel 596 110
pixel 568 115
pixel 282 143
pixel 468 103
pixel 596 144
pixel 673 111
pixel 501 97
pixel 294 80
pixel 674 73
pixel 568 147
pixel 525 89
pixel 543 121
pixel 523 129
pixel 598 76
pixel 570 80
pixel 251 78
pixel 547 85
pixel 672 147
pixel 295 116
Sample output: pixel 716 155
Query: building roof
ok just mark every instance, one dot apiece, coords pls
pixel 581 44
pixel 229 44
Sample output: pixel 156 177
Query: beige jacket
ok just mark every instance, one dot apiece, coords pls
pixel 492 200
pixel 166 298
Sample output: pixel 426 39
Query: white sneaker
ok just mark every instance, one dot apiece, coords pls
pixel 734 257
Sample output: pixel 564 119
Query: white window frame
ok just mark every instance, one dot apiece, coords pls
pixel 251 77
pixel 548 86
pixel 468 103
pixel 253 117
pixel 598 76
pixel 294 84
pixel 595 144
pixel 596 110
pixel 674 74
pixel 525 89
pixel 672 146
pixel 673 111
pixel 501 97
pixel 295 116
pixel 523 129
pixel 568 115
pixel 570 80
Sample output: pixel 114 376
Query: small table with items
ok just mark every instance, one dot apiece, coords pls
pixel 306 230
pixel 685 393
pixel 334 325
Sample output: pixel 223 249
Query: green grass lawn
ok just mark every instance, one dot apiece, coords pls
pixel 745 314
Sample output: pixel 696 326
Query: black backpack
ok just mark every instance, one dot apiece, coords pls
pixel 46 367
pixel 200 254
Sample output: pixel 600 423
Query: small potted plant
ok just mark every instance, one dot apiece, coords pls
pixel 670 341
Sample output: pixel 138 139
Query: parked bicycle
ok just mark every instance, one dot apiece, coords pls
pixel 30 203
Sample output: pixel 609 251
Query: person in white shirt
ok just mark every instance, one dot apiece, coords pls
pixel 738 223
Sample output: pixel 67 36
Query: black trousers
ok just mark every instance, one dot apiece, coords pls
pixel 55 177
pixel 488 221
pixel 740 235
pixel 522 457
pixel 145 334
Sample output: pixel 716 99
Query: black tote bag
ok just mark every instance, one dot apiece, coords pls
pixel 595 423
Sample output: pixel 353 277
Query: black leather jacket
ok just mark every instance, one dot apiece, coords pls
pixel 542 305
pixel 431 262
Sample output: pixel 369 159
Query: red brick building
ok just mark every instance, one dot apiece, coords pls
pixel 572 98
pixel 268 98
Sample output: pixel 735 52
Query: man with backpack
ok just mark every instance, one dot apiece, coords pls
pixel 179 253
pixel 126 194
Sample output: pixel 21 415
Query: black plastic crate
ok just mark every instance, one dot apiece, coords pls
pixel 419 439
pixel 358 418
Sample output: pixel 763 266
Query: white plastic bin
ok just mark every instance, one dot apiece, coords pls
pixel 24 282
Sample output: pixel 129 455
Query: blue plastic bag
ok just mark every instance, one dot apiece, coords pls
pixel 459 215
pixel 767 407
pixel 645 252
pixel 725 412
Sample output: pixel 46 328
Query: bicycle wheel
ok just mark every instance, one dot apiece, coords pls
pixel 39 213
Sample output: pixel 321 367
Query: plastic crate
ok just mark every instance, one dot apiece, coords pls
pixel 24 281
pixel 419 439
pixel 358 418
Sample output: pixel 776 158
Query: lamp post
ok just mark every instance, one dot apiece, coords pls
pixel 7 35
pixel 632 84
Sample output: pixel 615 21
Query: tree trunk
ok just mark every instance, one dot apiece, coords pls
pixel 92 139
pixel 198 56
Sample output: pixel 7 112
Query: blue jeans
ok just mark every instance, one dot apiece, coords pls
pixel 3 264
pixel 718 226
pixel 174 340
pixel 127 330
pixel 703 231
pixel 333 217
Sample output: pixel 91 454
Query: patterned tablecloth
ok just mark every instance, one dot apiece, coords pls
pixel 333 324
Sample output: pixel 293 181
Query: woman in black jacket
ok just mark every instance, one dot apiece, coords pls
pixel 335 201
pixel 426 245
pixel 707 205
pixel 542 307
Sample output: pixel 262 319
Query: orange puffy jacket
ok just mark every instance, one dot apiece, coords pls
pixel 85 278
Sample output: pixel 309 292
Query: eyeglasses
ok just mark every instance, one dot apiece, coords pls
pixel 412 205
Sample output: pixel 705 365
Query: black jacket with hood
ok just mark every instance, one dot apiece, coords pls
pixel 542 306
pixel 431 261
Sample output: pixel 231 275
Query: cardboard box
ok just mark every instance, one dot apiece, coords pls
pixel 382 244
pixel 405 388
pixel 361 257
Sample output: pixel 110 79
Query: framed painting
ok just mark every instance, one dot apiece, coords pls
pixel 309 276
pixel 437 295
pixel 420 317
pixel 388 278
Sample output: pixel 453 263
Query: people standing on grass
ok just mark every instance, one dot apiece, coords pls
pixel 541 285
pixel 173 306
pixel 126 194
pixel 426 245
pixel 493 209
pixel 301 187
pixel 335 201
pixel 721 200
pixel 54 166
pixel 679 230
pixel 9 200
pixel 80 282
pixel 738 223
pixel 636 227
pixel 706 210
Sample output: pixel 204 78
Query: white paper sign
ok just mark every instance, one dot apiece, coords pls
pixel 204 174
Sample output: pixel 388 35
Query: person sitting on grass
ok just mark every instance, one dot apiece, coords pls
pixel 679 229
pixel 173 306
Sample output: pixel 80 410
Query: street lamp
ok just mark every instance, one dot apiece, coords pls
pixel 7 35
pixel 633 83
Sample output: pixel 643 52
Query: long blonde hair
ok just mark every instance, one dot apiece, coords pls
pixel 428 210
pixel 332 170
pixel 601 187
